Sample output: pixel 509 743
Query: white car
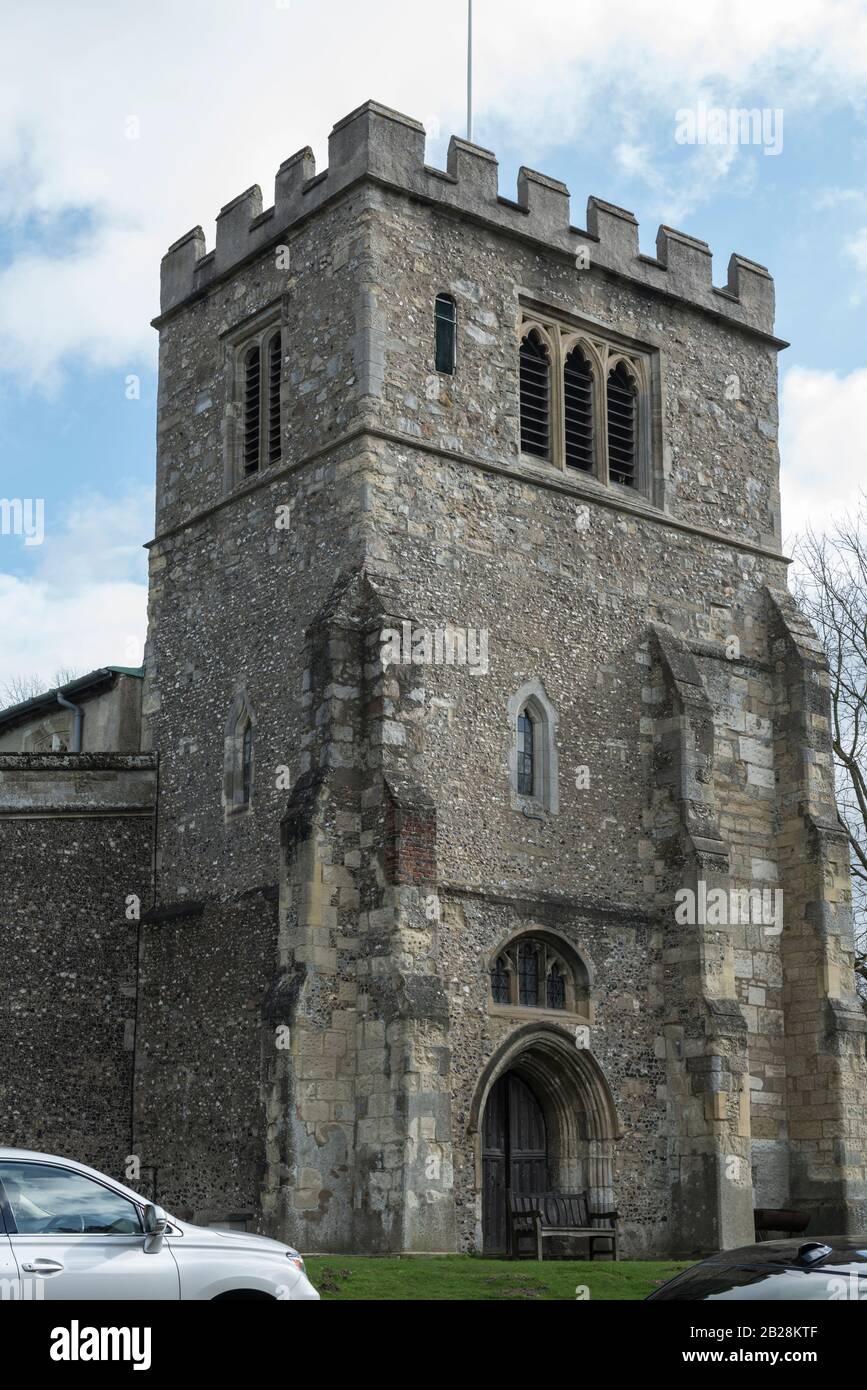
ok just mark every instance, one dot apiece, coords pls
pixel 68 1232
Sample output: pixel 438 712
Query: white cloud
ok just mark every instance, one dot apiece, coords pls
pixel 838 197
pixel 46 629
pixel 54 309
pixel 224 92
pixel 678 192
pixel 821 446
pixel 84 603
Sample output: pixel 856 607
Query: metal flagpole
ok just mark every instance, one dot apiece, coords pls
pixel 469 69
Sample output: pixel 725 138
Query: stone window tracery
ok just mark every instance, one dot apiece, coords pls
pixel 585 403
pixel 532 972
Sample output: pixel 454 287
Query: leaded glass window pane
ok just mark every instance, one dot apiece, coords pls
pixel 528 975
pixel 500 982
pixel 247 764
pixel 525 754
pixel 556 988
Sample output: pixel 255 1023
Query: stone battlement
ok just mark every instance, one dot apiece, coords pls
pixel 378 144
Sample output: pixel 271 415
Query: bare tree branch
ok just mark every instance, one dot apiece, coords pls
pixel 830 583
pixel 17 689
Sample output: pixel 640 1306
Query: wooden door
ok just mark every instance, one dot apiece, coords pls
pixel 514 1154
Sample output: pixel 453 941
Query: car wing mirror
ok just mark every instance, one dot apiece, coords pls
pixel 155 1223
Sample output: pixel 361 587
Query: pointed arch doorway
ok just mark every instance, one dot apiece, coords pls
pixel 514 1154
pixel 544 1120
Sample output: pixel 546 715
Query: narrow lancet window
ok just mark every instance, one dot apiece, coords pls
pixel 535 384
pixel 525 754
pixel 578 405
pixel 622 407
pixel 445 333
pixel 252 409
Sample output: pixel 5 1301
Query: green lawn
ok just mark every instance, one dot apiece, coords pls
pixel 461 1277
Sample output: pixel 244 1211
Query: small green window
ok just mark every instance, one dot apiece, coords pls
pixel 445 331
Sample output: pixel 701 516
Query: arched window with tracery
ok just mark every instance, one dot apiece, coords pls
pixel 533 754
pixel 587 404
pixel 539 971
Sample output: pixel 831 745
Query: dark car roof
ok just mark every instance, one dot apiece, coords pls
pixel 846 1253
pixel 773 1270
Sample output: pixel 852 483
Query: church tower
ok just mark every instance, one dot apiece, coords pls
pixel 496 835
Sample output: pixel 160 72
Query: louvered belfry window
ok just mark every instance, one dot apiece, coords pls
pixel 261 432
pixel 252 409
pixel 578 405
pixel 535 396
pixel 275 361
pixel 576 413
pixel 622 420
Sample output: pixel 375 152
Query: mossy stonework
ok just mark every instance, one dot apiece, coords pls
pixel 317 1029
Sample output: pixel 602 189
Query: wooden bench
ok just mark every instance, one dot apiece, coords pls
pixel 543 1214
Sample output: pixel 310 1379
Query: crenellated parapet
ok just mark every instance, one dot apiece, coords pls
pixel 380 145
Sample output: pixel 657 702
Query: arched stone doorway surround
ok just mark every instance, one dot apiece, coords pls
pixel 581 1121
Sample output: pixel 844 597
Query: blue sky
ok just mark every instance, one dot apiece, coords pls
pixel 588 94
